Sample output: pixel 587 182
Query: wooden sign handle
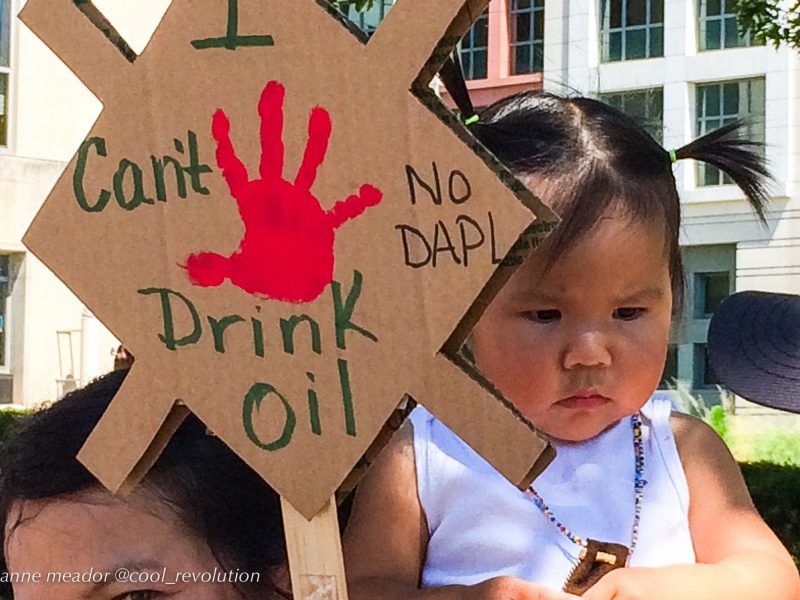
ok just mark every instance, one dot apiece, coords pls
pixel 315 553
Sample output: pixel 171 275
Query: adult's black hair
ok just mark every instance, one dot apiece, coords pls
pixel 210 489
pixel 593 158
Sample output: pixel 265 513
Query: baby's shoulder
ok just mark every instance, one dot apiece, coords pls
pixel 688 428
pixel 696 440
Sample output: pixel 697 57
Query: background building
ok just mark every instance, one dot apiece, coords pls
pixel 49 342
pixel 679 65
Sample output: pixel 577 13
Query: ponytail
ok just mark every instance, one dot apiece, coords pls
pixel 739 159
pixel 452 76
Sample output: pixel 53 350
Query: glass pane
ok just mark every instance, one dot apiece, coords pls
pixel 711 104
pixel 481 32
pixel 636 105
pixel 5 29
pixel 757 101
pixel 699 108
pixel 656 41
pixel 520 5
pixel 713 35
pixel 635 13
pixel 479 64
pixel 709 175
pixel 655 124
pixel 615 100
pixel 466 64
pixel 713 7
pixel 522 59
pixel 730 99
pixel 717 288
pixel 4 287
pixel 657 103
pixel 635 44
pixel 731 33
pixel 522 29
pixel 615 46
pixel 538 25
pixel 615 7
pixel 3 109
pixel 538 57
pixel 656 11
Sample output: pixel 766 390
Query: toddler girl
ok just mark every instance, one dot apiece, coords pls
pixel 577 340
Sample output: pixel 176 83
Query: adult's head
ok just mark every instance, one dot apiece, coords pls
pixel 200 511
pixel 754 347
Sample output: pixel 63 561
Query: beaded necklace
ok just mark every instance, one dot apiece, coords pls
pixel 603 552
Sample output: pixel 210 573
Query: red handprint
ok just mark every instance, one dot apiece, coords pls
pixel 287 250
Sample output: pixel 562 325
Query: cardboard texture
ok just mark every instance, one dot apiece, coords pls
pixel 287 230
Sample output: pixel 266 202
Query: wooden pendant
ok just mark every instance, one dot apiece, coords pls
pixel 597 559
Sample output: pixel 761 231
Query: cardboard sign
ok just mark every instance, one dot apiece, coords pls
pixel 282 225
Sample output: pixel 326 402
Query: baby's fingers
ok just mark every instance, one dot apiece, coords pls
pixel 509 588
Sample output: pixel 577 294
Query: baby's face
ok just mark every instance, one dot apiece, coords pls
pixel 582 345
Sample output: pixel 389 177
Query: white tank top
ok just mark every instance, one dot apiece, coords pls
pixel 481 526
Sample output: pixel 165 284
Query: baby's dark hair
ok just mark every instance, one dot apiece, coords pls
pixel 593 158
pixel 210 489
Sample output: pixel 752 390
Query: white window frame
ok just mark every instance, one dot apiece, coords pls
pixel 472 49
pixel 606 30
pixel 701 121
pixel 534 12
pixel 9 324
pixel 11 83
pixel 702 27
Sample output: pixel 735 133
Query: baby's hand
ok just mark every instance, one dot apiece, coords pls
pixel 509 588
pixel 626 584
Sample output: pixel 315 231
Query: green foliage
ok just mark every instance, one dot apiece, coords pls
pixel 775 446
pixel 7 420
pixel 360 5
pixel 776 493
pixel 718 419
pixel 769 22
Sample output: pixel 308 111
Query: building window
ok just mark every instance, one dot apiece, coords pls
pixel 703 373
pixel 632 29
pixel 710 289
pixel 646 106
pixel 526 28
pixel 5 67
pixel 475 49
pixel 718 26
pixel 5 290
pixel 368 20
pixel 721 103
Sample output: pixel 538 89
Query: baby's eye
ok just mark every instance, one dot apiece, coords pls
pixel 629 313
pixel 544 316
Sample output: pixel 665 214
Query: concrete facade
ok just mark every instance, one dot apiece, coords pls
pixel 51 342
